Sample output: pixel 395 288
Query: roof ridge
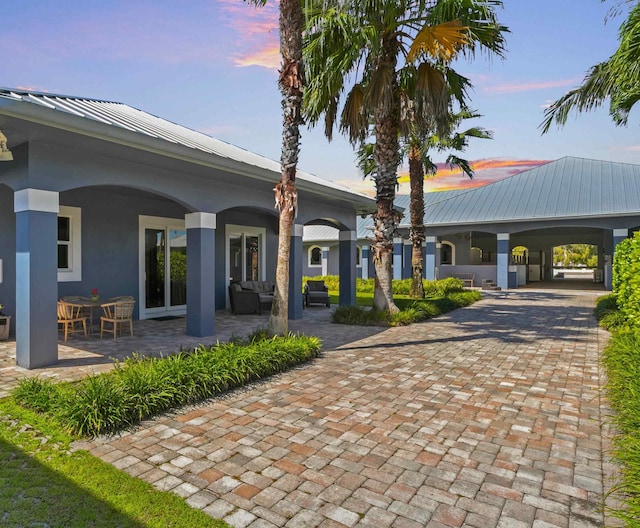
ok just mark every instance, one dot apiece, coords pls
pixel 24 91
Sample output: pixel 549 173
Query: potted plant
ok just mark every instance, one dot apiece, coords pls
pixel 5 322
pixel 95 296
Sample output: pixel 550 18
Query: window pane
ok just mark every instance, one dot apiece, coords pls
pixel 252 245
pixel 63 256
pixel 316 256
pixel 154 267
pixel 178 263
pixel 64 229
pixel 235 258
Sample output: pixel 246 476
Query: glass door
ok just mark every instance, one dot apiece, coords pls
pixel 245 253
pixel 163 267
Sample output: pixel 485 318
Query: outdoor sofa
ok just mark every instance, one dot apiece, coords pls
pixel 251 297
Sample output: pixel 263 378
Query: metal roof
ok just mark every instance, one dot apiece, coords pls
pixel 566 188
pixel 127 118
pixel 322 233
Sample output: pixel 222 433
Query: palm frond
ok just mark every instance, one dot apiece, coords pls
pixel 596 87
pixel 441 42
pixel 354 119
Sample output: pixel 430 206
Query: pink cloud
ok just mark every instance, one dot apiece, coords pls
pixel 257 32
pixel 486 171
pixel 268 58
pixel 528 86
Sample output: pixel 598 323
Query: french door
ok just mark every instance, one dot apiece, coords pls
pixel 163 267
pixel 245 253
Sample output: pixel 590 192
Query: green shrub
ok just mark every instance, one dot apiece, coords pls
pixel 608 314
pixel 626 278
pixel 411 310
pixel 438 288
pixel 142 387
pixel 621 359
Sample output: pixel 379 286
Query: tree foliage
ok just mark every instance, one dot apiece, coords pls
pixel 616 79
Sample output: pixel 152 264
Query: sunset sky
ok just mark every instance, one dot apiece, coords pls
pixel 212 66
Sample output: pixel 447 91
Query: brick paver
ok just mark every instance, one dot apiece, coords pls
pixel 490 416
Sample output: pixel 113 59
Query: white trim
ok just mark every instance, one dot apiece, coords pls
pixel 453 253
pixel 345 236
pixel 298 230
pixel 397 241
pixel 36 200
pixel 74 272
pixel 156 222
pixel 621 233
pixel 200 220
pixel 503 236
pixel 358 252
pixel 309 265
pixel 431 239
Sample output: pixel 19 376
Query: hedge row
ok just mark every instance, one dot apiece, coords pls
pixel 438 288
pixel 140 387
pixel 626 278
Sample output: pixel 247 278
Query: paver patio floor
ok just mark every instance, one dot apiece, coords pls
pixel 490 416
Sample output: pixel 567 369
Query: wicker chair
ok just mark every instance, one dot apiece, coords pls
pixel 116 314
pixel 316 292
pixel 71 318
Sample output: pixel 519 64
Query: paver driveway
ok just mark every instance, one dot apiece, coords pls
pixel 490 416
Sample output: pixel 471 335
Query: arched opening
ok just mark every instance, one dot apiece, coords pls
pixel 575 262
pixel 447 254
pixel 520 255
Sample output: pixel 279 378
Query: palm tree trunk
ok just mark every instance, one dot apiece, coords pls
pixel 291 83
pixel 386 218
pixel 416 231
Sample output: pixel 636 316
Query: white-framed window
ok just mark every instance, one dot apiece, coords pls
pixel 447 253
pixel 358 257
pixel 315 257
pixel 69 244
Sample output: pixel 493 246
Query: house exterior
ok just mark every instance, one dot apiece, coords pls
pixel 102 195
pixel 475 231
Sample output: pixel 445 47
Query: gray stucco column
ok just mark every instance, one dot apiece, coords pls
pixel 618 236
pixel 325 260
pixel 201 248
pixel 503 261
pixel 407 271
pixel 397 258
pixel 365 261
pixel 36 277
pixel 438 258
pixel 430 258
pixel 295 273
pixel 347 268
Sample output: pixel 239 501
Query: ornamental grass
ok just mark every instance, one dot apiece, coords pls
pixel 141 387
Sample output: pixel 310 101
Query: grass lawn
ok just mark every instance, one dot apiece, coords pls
pixel 42 483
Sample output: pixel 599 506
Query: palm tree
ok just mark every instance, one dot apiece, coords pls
pixel 421 165
pixel 291 82
pixel 369 49
pixel 616 79
pixel 418 141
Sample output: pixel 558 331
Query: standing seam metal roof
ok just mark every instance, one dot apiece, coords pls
pixel 566 188
pixel 133 120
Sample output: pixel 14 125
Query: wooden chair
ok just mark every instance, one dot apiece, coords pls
pixel 117 314
pixel 70 317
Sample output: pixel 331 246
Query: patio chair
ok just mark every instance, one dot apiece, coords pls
pixel 86 310
pixel 71 318
pixel 116 315
pixel 316 292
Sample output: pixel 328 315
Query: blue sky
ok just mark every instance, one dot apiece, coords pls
pixel 211 66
